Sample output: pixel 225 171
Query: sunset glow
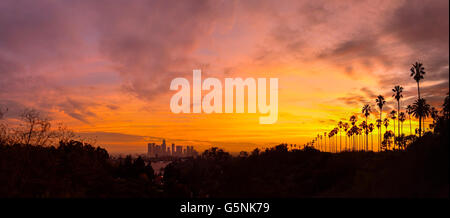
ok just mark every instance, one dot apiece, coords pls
pixel 104 69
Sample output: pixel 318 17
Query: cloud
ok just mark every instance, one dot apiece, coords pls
pixel 83 58
pixel 148 42
pixel 421 23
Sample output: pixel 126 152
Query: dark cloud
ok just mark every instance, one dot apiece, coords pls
pixel 369 93
pixel 421 24
pixel 152 42
pixel 77 109
pixel 353 100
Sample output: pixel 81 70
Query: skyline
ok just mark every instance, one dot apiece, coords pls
pixel 104 69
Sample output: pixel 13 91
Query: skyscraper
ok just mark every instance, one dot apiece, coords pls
pixel 163 147
pixel 151 149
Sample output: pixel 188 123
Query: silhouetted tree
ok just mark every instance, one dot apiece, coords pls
pixel 393 117
pixel 386 124
pixel 340 126
pixel 409 110
pixel 366 112
pixel 388 135
pixel 446 108
pixel 421 110
pixel 398 95
pixel 401 119
pixel 435 116
pixel 346 126
pixel 371 128
pixel 379 124
pixel 380 102
pixel 353 120
pixel 417 72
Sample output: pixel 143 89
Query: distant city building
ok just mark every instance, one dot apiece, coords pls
pixel 154 150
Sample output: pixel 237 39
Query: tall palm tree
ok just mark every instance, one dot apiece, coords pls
pixel 340 126
pixel 393 117
pixel 379 124
pixel 353 120
pixel 366 112
pixel 401 118
pixel 318 142
pixel 349 135
pixel 421 110
pixel 409 110
pixel 435 115
pixel 386 124
pixel 371 128
pixel 325 137
pixel 364 127
pixel 321 142
pixel 398 95
pixel 359 132
pixel 330 135
pixel 380 102
pixel 346 126
pixel 417 72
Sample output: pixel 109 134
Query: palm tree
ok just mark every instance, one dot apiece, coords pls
pixel 340 126
pixel 421 110
pixel 325 137
pixel 336 130
pixel 330 135
pixel 393 117
pixel 353 120
pixel 409 110
pixel 363 127
pixel 435 115
pixel 346 126
pixel 446 108
pixel 386 124
pixel 349 135
pixel 318 142
pixel 379 122
pixel 401 118
pixel 323 145
pixel 380 102
pixel 417 72
pixel 371 128
pixel 366 112
pixel 398 95
pixel 359 132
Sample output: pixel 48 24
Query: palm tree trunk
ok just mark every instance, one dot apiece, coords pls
pixel 371 138
pixel 394 134
pixel 381 129
pixel 379 136
pixel 418 89
pixel 335 144
pixel 367 136
pixel 398 117
pixel 410 128
pixel 401 132
pixel 420 126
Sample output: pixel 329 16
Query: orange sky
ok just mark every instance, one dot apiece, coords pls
pixel 105 69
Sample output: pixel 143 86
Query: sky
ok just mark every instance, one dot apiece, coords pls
pixel 104 67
